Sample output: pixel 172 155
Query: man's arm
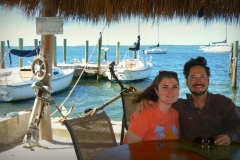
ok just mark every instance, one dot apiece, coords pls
pixel 145 103
pixel 231 119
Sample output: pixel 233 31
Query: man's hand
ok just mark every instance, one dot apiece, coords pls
pixel 144 103
pixel 222 139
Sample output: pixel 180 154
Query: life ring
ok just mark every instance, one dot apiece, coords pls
pixel 39 68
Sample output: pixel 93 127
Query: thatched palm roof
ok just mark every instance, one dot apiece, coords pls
pixel 95 11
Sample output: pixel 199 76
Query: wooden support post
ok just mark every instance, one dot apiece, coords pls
pixel 2 55
pixel 235 55
pixel 20 47
pixel 47 41
pixel 86 52
pixel 118 53
pixel 64 50
pixel 45 126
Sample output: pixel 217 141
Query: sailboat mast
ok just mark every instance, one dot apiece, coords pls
pixel 209 43
pixel 138 37
pixel 226 32
pixel 139 26
pixel 158 33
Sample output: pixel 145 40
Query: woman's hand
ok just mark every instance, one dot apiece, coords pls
pixel 144 103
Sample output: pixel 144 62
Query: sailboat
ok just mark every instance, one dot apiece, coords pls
pixel 155 49
pixel 16 83
pixel 218 47
pixel 130 69
pixel 106 48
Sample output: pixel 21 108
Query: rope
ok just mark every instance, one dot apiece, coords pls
pixel 80 74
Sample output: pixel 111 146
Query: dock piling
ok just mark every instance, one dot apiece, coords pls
pixel 99 57
pixel 118 53
pixel 9 54
pixel 105 55
pixel 64 50
pixel 234 64
pixel 2 54
pixel 35 43
pixel 20 47
pixel 55 52
pixel 134 52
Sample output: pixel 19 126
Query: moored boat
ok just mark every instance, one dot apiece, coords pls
pixel 15 83
pixel 219 47
pixel 155 51
pixel 131 69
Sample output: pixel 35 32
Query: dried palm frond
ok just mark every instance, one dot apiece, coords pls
pixel 111 11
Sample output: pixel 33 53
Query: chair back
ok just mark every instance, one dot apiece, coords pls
pixel 91 134
pixel 128 109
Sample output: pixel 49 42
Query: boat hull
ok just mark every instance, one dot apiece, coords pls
pixel 156 51
pixel 213 50
pixel 130 70
pixel 218 48
pixel 132 75
pixel 23 90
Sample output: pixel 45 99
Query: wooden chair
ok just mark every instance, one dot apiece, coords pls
pixel 128 109
pixel 91 134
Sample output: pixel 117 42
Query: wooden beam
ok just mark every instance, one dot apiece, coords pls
pixel 47 49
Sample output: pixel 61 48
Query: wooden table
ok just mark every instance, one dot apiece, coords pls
pixel 170 149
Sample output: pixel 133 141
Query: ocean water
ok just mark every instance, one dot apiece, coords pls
pixel 91 93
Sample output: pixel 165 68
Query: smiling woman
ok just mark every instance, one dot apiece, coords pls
pixel 160 122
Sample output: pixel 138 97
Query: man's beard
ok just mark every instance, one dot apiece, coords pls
pixel 198 93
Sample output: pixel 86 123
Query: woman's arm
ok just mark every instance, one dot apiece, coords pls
pixel 133 137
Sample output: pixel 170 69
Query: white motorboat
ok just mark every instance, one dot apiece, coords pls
pixel 75 60
pixel 155 50
pixel 106 49
pixel 15 83
pixel 203 46
pixel 219 47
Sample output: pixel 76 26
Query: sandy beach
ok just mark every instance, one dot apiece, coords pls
pixel 60 147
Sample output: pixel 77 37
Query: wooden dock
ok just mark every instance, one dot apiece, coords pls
pixel 90 68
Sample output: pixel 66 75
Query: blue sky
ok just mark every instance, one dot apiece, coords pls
pixel 14 26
